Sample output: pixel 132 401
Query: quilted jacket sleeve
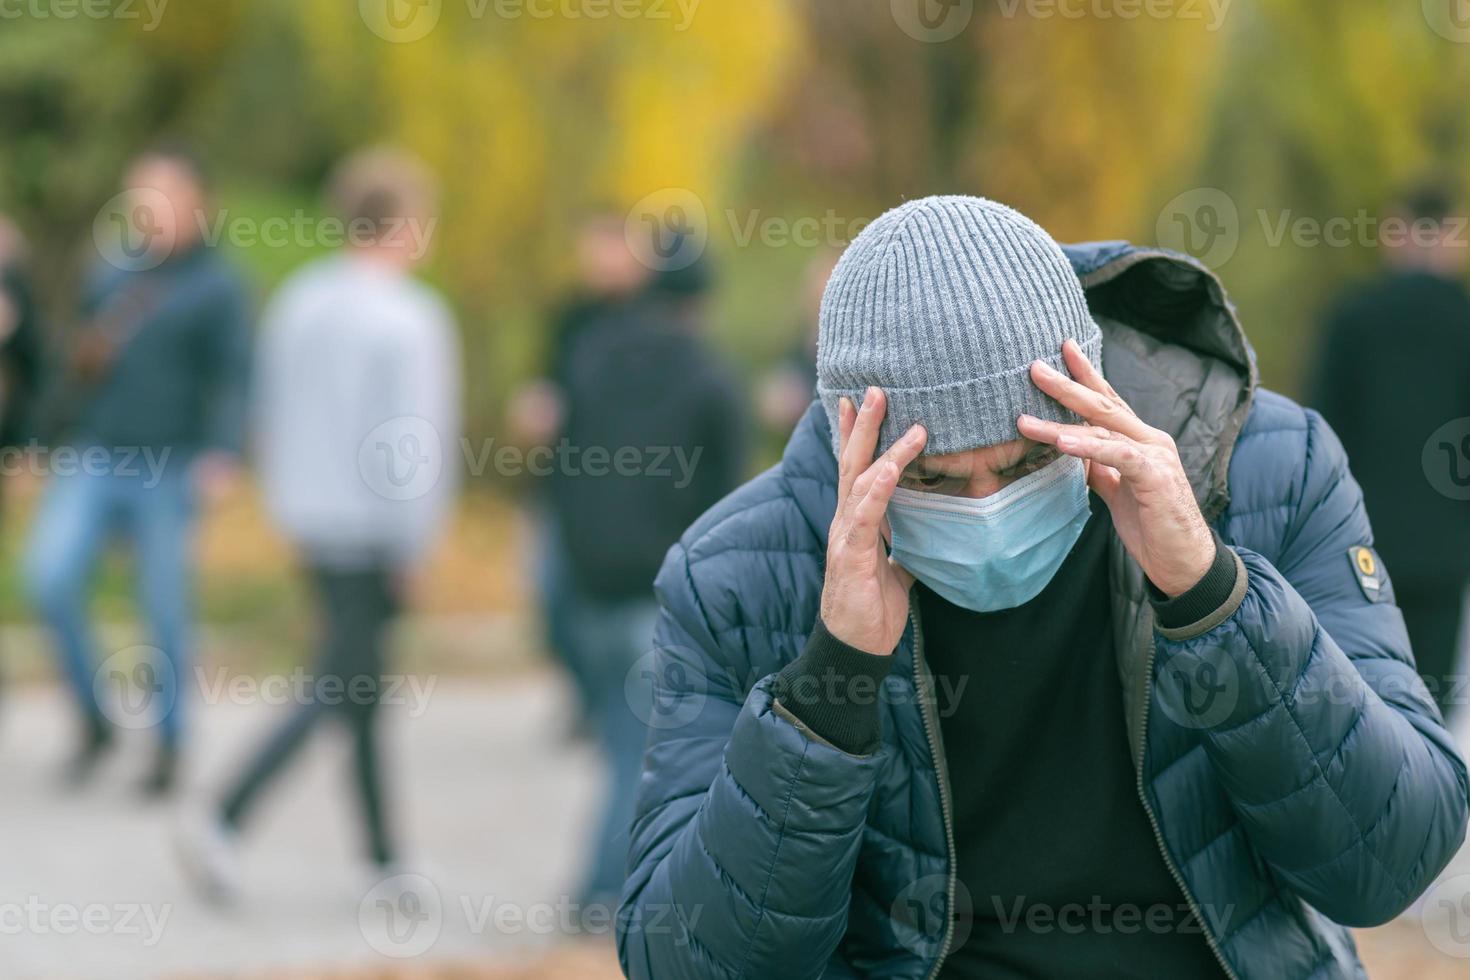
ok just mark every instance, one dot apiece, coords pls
pixel 1332 752
pixel 747 830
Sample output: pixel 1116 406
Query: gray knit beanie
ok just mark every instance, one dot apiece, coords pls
pixel 943 303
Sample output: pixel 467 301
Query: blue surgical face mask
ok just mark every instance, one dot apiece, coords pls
pixel 995 552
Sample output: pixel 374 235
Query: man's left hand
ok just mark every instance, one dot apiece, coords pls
pixel 1135 469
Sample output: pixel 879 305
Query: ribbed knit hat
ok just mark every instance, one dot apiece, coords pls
pixel 943 303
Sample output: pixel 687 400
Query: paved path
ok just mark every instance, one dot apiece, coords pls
pixel 493 803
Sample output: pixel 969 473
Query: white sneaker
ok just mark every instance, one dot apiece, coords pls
pixel 210 854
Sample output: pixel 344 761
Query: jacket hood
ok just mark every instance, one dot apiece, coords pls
pixel 1167 294
pixel 1173 347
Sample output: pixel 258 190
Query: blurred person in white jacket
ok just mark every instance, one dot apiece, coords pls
pixel 357 436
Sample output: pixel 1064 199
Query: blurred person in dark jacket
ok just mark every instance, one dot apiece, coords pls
pixel 357 427
pixel 151 417
pixel 1394 366
pixel 610 278
pixel 654 435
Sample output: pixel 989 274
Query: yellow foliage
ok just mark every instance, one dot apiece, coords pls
pixel 1086 118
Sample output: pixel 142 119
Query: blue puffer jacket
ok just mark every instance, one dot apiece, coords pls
pixel 1296 772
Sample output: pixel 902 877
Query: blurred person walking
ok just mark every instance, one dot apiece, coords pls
pixel 149 416
pixel 1393 367
pixel 358 423
pixel 610 280
pixel 654 435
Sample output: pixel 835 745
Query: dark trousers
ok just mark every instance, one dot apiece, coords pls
pixel 1432 613
pixel 357 607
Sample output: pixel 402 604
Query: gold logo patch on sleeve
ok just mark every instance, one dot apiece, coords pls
pixel 1368 570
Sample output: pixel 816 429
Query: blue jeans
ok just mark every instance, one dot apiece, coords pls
pixel 557 592
pixel 615 636
pixel 154 513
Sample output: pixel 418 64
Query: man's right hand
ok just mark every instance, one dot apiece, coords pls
pixel 865 595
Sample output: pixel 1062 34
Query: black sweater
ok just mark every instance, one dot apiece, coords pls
pixel 1059 872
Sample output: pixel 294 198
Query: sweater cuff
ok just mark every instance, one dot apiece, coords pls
pixel 832 689
pixel 1210 602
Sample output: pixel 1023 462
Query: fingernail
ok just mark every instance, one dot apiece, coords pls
pixel 914 430
pixel 844 402
pixel 1045 367
pixel 1023 417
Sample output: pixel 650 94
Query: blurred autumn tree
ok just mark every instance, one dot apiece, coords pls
pixel 766 109
pixel 528 119
pixel 1327 111
pixel 1074 120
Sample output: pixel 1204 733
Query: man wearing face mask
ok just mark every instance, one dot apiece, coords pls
pixel 1053 647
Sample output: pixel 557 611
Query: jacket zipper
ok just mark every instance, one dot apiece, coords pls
pixel 1138 752
pixel 941 769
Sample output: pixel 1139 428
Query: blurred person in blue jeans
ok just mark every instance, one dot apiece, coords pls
pixel 610 279
pixel 357 434
pixel 655 434
pixel 151 416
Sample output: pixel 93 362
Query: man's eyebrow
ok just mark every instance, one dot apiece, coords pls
pixel 1016 456
pixel 932 466
pixel 1029 450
